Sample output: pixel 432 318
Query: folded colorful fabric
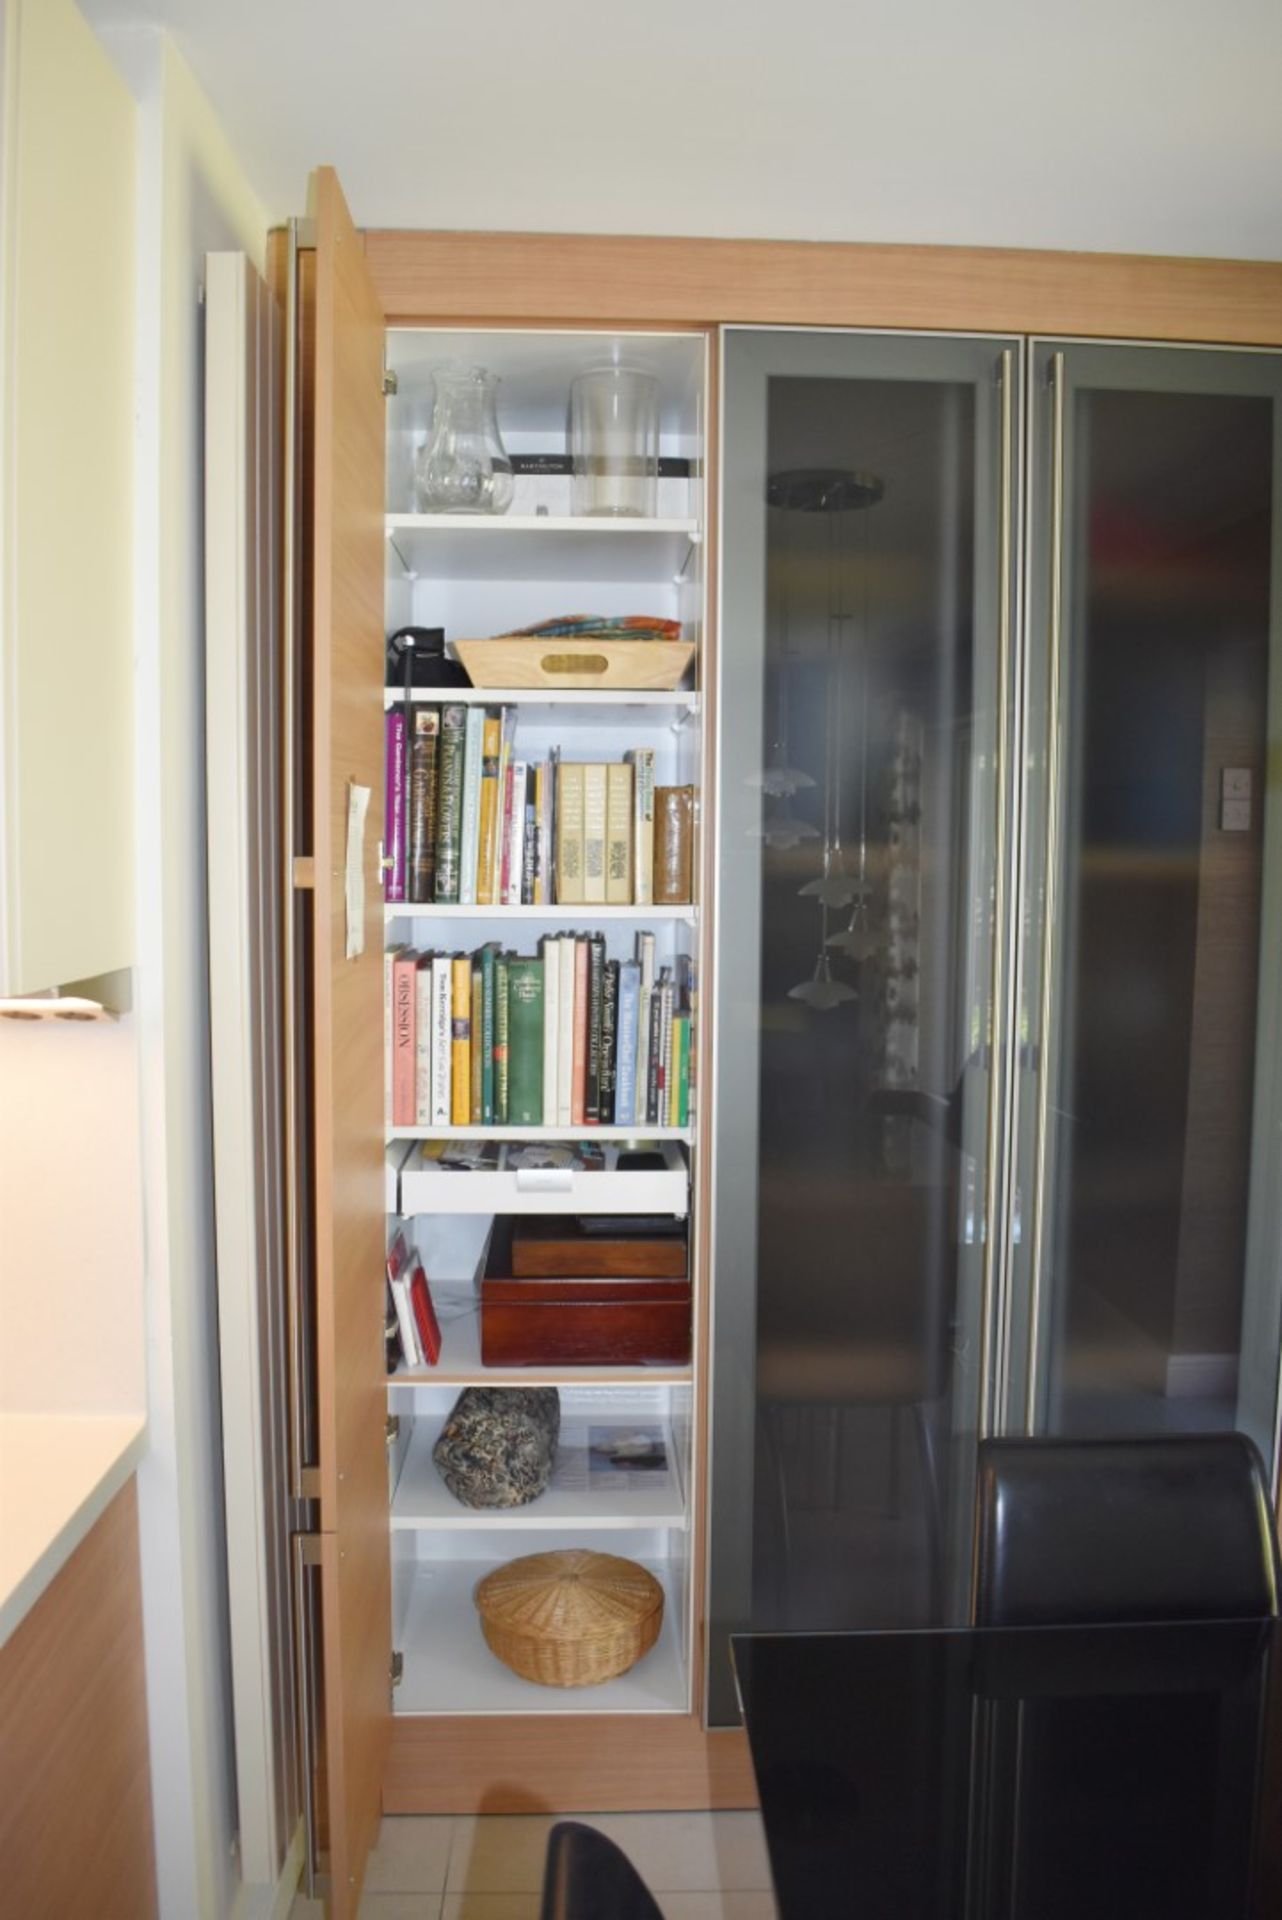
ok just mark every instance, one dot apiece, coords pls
pixel 574 626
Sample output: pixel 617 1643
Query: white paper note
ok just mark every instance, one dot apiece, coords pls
pixel 357 809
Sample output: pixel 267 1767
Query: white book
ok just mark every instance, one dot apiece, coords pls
pixel 442 1035
pixel 565 1035
pixel 551 1027
pixel 642 759
pixel 473 748
pixel 515 836
pixel 414 1355
pixel 642 1095
pixel 423 1043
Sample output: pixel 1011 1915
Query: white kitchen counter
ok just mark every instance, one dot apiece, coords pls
pixel 58 1474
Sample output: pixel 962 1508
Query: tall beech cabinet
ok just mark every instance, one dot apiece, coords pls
pixel 404 1709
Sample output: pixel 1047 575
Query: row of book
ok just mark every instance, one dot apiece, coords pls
pixel 469 823
pixel 564 1038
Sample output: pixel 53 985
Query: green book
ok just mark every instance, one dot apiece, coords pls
pixel 449 803
pixel 478 1043
pixel 487 1036
pixel 525 1042
pixel 502 963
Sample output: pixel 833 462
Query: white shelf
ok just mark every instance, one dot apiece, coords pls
pixel 574 1501
pixel 599 705
pixel 463 546
pixel 449 1669
pixel 640 1133
pixel 427 1187
pixel 558 916
pixel 460 1365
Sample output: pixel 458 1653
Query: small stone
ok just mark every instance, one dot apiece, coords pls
pixel 498 1445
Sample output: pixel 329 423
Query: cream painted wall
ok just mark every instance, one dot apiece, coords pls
pixel 66 503
pixel 192 198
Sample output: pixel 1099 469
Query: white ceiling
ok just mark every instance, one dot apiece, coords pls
pixel 1136 125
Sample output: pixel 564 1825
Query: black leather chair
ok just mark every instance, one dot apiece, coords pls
pixel 587 1877
pixel 1172 1528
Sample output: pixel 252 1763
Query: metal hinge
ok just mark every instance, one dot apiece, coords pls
pixel 393 1427
pixel 398 1668
pixel 390 383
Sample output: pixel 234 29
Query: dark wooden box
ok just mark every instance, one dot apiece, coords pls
pixel 579 1320
pixel 563 1246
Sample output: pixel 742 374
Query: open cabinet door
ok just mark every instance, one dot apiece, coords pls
pixel 340 719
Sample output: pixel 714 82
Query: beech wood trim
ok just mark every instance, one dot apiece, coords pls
pixel 75 1776
pixel 636 280
pixel 554 1763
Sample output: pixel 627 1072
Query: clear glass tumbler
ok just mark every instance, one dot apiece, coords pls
pixel 614 442
pixel 464 468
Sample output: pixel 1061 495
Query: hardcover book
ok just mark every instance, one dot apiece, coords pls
pixel 476 1095
pixel 642 759
pixel 569 835
pixel 394 824
pixel 625 1113
pixel 442 1037
pixel 565 1032
pixel 449 804
pixel 525 1077
pixel 486 837
pixel 470 838
pixel 579 1030
pixel 618 833
pixel 550 948
pixel 461 1041
pixel 594 834
pixel 502 1057
pixel 404 1066
pixel 596 988
pixel 424 740
pixel 423 1041
pixel 609 1040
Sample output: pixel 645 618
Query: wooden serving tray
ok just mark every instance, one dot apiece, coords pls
pixel 520 661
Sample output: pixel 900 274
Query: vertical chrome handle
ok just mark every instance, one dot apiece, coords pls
pixel 989 1303
pixel 306 1549
pixel 1050 915
pixel 301 1466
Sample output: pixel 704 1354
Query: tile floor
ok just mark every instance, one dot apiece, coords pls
pixel 699 1866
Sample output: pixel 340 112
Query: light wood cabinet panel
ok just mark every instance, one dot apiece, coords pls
pixel 75 1779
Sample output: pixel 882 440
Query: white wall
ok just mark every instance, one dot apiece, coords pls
pixel 192 198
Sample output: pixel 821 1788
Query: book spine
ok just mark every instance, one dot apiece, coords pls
pixel 505 833
pixel 674 1073
pixel 569 835
pixel 413 1353
pixel 550 801
pixel 424 740
pixel 540 890
pixel 529 1002
pixel 514 863
pixel 673 845
pixel 484 966
pixel 665 1046
pixel 449 804
pixel 565 1033
pixel 609 1041
pixel 460 1040
pixel 389 962
pixel 683 1072
pixel 618 833
pixel 423 1042
pixel 489 801
pixel 551 949
pixel 473 757
pixel 642 759
pixel 476 1096
pixel 579 1078
pixel 645 959
pixel 442 989
pixel 654 1058
pixel 502 1038
pixel 403 1062
pixel 394 803
pixel 626 1085
pixel 507 737
pixel 596 988
pixel 529 844
pixel 594 834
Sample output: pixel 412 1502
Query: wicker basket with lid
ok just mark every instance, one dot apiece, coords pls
pixel 571 1618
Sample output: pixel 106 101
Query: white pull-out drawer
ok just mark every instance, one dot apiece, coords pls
pixel 522 1179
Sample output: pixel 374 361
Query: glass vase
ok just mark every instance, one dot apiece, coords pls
pixel 614 442
pixel 464 468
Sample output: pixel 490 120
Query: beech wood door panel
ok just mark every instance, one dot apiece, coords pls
pixel 347 753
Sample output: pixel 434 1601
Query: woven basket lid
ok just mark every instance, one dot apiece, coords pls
pixel 571 1595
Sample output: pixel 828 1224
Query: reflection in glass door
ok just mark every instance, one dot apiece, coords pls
pixel 866 596
pixel 1147 1288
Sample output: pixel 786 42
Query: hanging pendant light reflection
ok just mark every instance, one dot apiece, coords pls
pixel 831 492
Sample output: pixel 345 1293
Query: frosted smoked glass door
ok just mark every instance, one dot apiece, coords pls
pixel 864 695
pixel 1149 1265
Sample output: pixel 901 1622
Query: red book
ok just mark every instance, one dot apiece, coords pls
pixel 579 1057
pixel 429 1331
pixel 404 1057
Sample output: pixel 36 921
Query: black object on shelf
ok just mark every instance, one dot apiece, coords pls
pixel 416 658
